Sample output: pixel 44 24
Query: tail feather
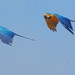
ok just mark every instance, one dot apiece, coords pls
pixel 72 21
pixel 25 37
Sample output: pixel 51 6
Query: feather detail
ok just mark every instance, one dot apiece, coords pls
pixel 65 22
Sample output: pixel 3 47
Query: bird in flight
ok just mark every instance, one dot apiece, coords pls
pixel 6 36
pixel 53 19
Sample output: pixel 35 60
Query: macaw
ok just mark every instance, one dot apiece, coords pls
pixel 52 21
pixel 6 36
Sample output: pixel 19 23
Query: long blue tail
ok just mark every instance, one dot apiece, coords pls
pixel 25 37
pixel 72 20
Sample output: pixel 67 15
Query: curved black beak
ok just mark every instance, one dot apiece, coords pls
pixel 45 16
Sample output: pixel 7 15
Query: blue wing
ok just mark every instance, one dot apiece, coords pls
pixel 6 35
pixel 65 22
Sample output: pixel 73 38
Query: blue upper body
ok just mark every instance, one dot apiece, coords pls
pixel 6 35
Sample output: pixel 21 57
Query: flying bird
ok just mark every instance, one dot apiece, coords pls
pixel 6 36
pixel 53 19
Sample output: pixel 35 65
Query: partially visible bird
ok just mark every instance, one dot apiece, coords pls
pixel 52 21
pixel 6 36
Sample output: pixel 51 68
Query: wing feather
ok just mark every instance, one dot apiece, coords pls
pixel 65 22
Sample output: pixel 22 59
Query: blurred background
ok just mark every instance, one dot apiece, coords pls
pixel 53 53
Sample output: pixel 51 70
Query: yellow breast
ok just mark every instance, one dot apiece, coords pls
pixel 52 22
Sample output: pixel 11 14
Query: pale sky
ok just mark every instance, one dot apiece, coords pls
pixel 53 53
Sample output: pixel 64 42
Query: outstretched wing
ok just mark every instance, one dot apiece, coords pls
pixel 65 22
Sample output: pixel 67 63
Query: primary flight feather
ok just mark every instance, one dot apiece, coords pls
pixel 6 36
pixel 52 21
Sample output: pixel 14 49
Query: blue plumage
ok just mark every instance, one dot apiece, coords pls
pixel 6 36
pixel 65 22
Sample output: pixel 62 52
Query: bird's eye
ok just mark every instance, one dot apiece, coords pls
pixel 49 17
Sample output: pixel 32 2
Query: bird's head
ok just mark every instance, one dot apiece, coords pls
pixel 47 16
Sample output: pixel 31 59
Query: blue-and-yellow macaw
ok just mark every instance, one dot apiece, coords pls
pixel 52 21
pixel 6 36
